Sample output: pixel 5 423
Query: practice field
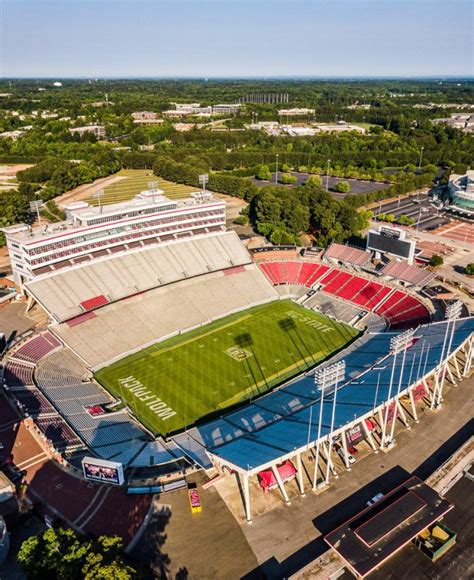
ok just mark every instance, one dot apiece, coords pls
pixel 173 384
pixel 136 180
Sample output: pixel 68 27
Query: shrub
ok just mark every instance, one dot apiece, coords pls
pixel 287 178
pixel 343 187
pixel 469 269
pixel 436 261
pixel 241 220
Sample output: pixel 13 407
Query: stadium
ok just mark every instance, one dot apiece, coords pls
pixel 178 349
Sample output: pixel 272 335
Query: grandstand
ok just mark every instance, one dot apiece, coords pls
pixel 283 426
pixel 71 292
pixel 396 306
pixel 412 275
pixel 347 255
pixel 123 327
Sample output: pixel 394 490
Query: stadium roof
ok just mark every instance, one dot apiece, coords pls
pixel 276 426
pixel 369 538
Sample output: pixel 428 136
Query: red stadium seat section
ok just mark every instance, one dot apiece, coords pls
pixel 291 272
pixel 396 306
pixel 95 302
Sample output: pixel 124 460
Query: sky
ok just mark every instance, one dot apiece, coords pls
pixel 225 38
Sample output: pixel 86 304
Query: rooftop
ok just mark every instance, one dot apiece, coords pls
pixel 81 214
pixel 372 536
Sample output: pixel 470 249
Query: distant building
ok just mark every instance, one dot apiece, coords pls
pixel 461 193
pixel 295 112
pixel 299 131
pixel 13 135
pixel 57 84
pixel 97 130
pixel 462 121
pixel 146 118
pixel 224 109
pixel 339 128
pixel 187 109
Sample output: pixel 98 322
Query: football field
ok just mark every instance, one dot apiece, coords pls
pixel 176 382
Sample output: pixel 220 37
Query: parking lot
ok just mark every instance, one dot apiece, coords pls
pixel 357 185
pixel 418 207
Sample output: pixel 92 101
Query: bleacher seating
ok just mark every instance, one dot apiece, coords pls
pixel 347 254
pixel 69 293
pixel 36 348
pixel 358 290
pixel 127 325
pixel 411 274
pixel 33 402
pixel 292 272
pixel 58 433
pixel 112 435
pixel 17 373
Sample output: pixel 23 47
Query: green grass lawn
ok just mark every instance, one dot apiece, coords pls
pixel 136 180
pixel 175 383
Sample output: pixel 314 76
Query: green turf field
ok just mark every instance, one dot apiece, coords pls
pixel 136 180
pixel 174 383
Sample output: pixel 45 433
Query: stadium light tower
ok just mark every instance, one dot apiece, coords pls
pixel 152 186
pixel 35 206
pixel 325 378
pixel 203 179
pixel 409 340
pixel 398 344
pixel 98 195
pixel 453 312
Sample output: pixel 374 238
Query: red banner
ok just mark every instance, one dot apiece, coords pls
pixel 391 412
pixel 419 392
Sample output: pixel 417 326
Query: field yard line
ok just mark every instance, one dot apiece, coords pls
pixel 237 397
pixel 180 344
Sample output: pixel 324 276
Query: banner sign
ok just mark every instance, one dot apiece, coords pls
pixel 355 435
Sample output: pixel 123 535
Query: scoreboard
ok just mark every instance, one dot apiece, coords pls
pixel 391 241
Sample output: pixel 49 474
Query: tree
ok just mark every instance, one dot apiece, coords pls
pixel 314 180
pixel 469 269
pixel 343 187
pixel 287 178
pixel 264 173
pixel 62 553
pixel 436 261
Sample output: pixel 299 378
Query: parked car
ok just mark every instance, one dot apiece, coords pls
pixel 350 457
pixel 375 499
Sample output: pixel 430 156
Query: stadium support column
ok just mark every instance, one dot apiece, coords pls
pixel 399 343
pixel 369 436
pixel 413 406
pixel 299 467
pixel 245 482
pixel 346 452
pixel 327 377
pixel 453 312
pixel 281 485
pixel 469 356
